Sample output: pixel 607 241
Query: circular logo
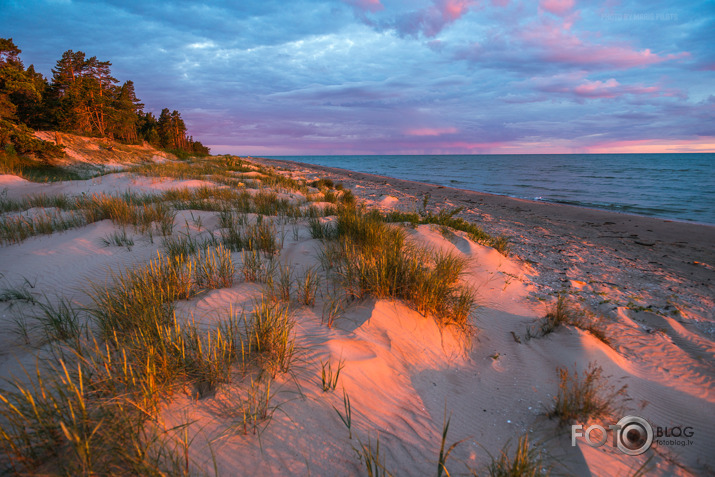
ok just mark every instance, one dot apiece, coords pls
pixel 635 435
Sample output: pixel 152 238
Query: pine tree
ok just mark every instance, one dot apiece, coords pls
pixel 126 113
pixel 20 95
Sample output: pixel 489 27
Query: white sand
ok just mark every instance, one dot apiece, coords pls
pixel 401 371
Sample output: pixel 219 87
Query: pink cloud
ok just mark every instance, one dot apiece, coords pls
pixel 557 7
pixel 366 5
pixel 431 20
pixel 557 44
pixel 453 9
pixel 610 89
pixel 615 56
pixel 575 84
pixel 597 89
pixel 431 131
pixel 704 144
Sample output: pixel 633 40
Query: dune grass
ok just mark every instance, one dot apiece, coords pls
pixel 307 286
pixel 372 460
pixel 214 268
pixel 185 244
pixel 66 426
pixel 333 309
pixel 247 409
pixel 118 238
pixel 587 397
pixel 447 218
pixel 562 313
pixel 19 228
pixel 239 235
pixel 93 413
pixel 59 321
pixel 328 376
pixel 526 461
pixel 347 416
pixel 370 257
pixel 269 334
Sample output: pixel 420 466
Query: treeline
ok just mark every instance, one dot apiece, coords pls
pixel 81 98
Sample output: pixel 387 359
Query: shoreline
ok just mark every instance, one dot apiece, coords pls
pixel 666 264
pixel 455 184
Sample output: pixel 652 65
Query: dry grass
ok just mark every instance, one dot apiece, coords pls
pixel 587 397
pixel 564 312
pixel 525 462
pixel 370 257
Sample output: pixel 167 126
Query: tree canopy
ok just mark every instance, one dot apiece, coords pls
pixel 83 98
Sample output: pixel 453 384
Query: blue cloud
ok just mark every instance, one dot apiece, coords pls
pixel 395 76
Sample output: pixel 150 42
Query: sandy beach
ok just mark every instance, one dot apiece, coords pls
pixel 646 283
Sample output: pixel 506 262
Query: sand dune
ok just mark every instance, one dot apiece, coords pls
pixel 401 371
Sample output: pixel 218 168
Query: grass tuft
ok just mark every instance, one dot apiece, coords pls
pixel 347 418
pixel 329 376
pixel 562 313
pixel 374 463
pixel 119 238
pixel 370 257
pixel 308 285
pixel 270 336
pixel 586 397
pixel 59 322
pixel 214 268
pixel 526 462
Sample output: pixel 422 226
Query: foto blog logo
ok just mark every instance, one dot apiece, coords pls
pixel 632 435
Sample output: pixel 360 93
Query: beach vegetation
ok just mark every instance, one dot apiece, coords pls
pixel 328 376
pixel 585 397
pixel 563 312
pixel 333 309
pixel 347 416
pixel 371 257
pixel 247 408
pixel 307 286
pixel 59 321
pixel 119 238
pixel 526 461
pixel 256 268
pixel 444 453
pixel 282 284
pixel 269 332
pixel 371 459
pixel 67 425
pixel 18 293
pixel 447 218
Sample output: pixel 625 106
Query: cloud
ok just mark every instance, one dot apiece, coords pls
pixel 431 131
pixel 391 76
pixel 654 145
pixel 554 42
pixel 578 87
pixel 557 7
pixel 426 22
pixel 366 5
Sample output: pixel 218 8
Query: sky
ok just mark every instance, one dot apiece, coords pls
pixel 324 77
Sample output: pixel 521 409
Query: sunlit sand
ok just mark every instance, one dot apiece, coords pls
pixel 645 284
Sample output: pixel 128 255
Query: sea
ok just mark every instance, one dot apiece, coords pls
pixel 678 187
